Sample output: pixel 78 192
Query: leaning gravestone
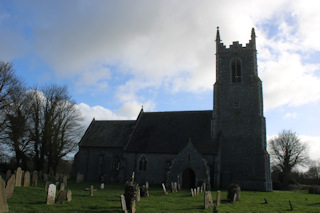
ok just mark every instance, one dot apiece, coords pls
pixel 208 202
pixel 51 196
pixel 10 186
pixel 8 174
pixel 18 177
pixel 3 200
pixel 192 192
pixel 123 204
pixel 35 178
pixel 26 179
pixel 61 197
pixel 69 195
pixel 164 189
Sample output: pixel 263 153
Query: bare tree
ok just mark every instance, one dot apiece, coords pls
pixel 9 85
pixel 288 151
pixel 56 125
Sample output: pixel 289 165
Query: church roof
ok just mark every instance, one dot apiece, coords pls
pixel 112 134
pixel 170 132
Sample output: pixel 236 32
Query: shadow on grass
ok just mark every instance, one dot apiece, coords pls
pixel 314 204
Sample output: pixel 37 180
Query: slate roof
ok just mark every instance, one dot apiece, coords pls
pixel 170 132
pixel 113 134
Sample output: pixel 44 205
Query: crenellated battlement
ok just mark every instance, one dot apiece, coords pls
pixel 235 46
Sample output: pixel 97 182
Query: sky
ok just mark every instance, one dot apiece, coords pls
pixel 117 56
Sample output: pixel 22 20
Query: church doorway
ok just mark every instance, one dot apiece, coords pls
pixel 188 178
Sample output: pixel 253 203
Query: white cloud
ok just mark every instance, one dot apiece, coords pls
pixel 290 115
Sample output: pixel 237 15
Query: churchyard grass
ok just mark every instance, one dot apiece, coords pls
pixel 33 199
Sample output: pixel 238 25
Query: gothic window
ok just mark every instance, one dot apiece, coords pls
pixel 116 163
pixel 236 104
pixel 236 71
pixel 143 163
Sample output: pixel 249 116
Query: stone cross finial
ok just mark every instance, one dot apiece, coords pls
pixel 132 177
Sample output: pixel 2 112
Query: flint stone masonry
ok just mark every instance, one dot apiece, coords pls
pixel 220 146
pixel 10 186
pixel 18 177
pixel 51 195
pixel 3 200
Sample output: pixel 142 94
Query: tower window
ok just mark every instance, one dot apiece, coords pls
pixel 143 164
pixel 236 71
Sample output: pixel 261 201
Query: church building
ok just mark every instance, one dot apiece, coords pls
pixel 218 147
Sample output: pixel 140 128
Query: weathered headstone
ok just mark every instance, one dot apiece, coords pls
pixel 198 190
pixel 18 177
pixel 69 195
pixel 46 186
pixel 10 186
pixel 8 174
pixel 102 186
pixel 138 195
pixel 133 207
pixel 79 178
pixel 61 197
pixel 164 189
pixel 234 197
pixel 175 187
pixel 45 177
pixel 123 204
pixel 51 195
pixel 35 178
pixel 195 192
pixel 192 192
pixel 218 198
pixel 91 190
pixel 65 180
pixel 26 179
pixel 208 202
pixel 62 187
pixel 147 185
pixel 3 200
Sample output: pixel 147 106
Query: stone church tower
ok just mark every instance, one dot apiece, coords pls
pixel 238 120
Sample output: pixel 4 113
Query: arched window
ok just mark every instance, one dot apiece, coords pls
pixel 143 163
pixel 116 163
pixel 236 71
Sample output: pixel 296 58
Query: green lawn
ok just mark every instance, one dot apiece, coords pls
pixel 33 199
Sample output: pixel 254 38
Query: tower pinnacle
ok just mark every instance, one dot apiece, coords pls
pixel 218 36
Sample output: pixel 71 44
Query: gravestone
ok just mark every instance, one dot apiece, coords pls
pixel 123 204
pixel 133 207
pixel 234 197
pixel 51 195
pixel 10 186
pixel 26 179
pixel 91 190
pixel 18 177
pixel 138 195
pixel 192 192
pixel 65 180
pixel 45 177
pixel 175 187
pixel 147 185
pixel 46 186
pixel 198 190
pixel 218 198
pixel 178 182
pixel 3 200
pixel 69 195
pixel 102 186
pixel 195 192
pixel 172 187
pixel 144 191
pixel 79 178
pixel 35 178
pixel 8 175
pixel 62 187
pixel 208 202
pixel 61 197
pixel 164 189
